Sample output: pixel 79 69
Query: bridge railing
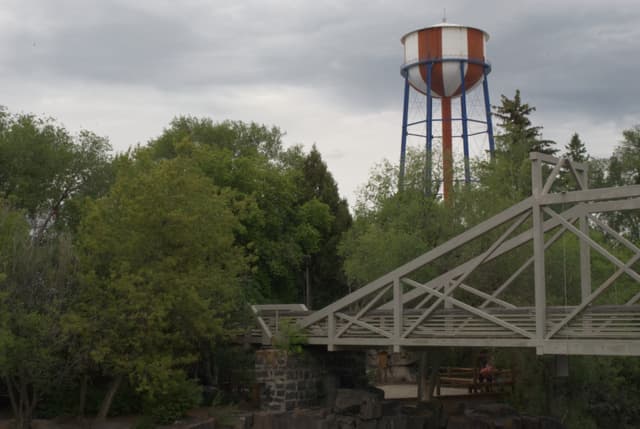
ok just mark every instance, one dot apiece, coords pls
pixel 408 308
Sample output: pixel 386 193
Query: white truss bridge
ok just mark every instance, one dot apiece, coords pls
pixel 421 304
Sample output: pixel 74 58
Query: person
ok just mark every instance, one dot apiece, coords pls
pixel 487 374
pixel 383 366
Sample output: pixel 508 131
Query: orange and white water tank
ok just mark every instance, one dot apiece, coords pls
pixel 444 45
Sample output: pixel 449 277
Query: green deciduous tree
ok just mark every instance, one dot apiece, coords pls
pixel 35 290
pixel 161 272
pixel 276 184
pixel 45 175
pixel 46 171
pixel 392 228
pixel 623 168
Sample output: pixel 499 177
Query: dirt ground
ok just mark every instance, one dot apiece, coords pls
pixel 195 418
pixel 410 391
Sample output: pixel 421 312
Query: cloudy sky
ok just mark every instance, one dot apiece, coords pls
pixel 325 72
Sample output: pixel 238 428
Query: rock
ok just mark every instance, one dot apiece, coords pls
pixel 509 422
pixel 344 422
pixel 390 407
pixel 364 402
pixel 393 422
pixel 550 423
pixel 309 419
pixel 530 422
pixel 367 424
pixel 467 422
pixel 494 410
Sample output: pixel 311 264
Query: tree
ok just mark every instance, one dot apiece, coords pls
pixel 323 266
pixel 624 169
pixel 161 272
pixel 576 150
pixel 508 176
pixel 276 184
pixel 37 281
pixel 45 175
pixel 47 172
pixel 390 228
pixel 517 130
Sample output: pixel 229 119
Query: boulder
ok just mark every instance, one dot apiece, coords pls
pixel 366 403
pixel 468 422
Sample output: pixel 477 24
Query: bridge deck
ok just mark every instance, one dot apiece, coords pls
pixel 422 304
pixel 617 326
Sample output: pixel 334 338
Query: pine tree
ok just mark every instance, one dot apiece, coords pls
pixel 576 150
pixel 518 132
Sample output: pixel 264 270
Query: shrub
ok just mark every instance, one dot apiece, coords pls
pixel 174 401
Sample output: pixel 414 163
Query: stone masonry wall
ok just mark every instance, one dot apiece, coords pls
pixel 287 380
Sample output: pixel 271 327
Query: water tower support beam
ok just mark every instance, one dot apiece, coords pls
pixel 429 133
pixel 447 150
pixel 487 108
pixel 403 144
pixel 465 130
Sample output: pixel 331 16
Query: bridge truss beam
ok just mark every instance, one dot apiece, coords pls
pixel 462 305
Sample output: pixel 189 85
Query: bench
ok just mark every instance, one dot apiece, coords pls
pixel 468 378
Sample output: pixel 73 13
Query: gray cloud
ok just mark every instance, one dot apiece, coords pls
pixel 576 61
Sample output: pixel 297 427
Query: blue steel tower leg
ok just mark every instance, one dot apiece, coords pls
pixel 487 106
pixel 465 130
pixel 429 134
pixel 403 144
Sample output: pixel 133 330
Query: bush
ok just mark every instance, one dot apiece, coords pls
pixel 174 401
pixel 290 337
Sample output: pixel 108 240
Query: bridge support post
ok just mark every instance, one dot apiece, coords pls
pixel 331 331
pixel 538 254
pixel 397 314
pixel 585 250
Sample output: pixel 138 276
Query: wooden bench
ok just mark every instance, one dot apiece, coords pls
pixel 469 378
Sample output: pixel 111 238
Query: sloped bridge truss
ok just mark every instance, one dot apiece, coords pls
pixel 451 296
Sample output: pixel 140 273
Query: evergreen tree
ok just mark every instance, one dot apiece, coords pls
pixel 325 274
pixel 576 150
pixel 517 129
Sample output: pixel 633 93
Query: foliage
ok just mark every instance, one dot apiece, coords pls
pixel 157 277
pixel 576 150
pixel 224 414
pixel 176 398
pixel 294 214
pixel 623 168
pixel 392 228
pixel 517 129
pixel 323 263
pixel 47 172
pixel 34 295
pixel 289 337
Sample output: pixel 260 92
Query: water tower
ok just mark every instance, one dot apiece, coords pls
pixel 445 62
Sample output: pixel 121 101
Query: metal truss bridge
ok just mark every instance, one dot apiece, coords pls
pixel 449 296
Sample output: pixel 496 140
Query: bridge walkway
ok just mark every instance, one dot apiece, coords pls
pixel 430 303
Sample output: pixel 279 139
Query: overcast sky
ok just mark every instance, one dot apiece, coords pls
pixel 325 72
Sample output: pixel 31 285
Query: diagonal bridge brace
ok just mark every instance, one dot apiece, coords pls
pixel 464 275
pixel 521 239
pixel 622 268
pixel 468 308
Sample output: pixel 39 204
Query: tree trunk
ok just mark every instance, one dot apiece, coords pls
pixel 423 367
pixel 21 404
pixel 108 399
pixel 435 372
pixel 307 286
pixel 83 395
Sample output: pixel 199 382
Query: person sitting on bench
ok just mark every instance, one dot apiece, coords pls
pixel 487 372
